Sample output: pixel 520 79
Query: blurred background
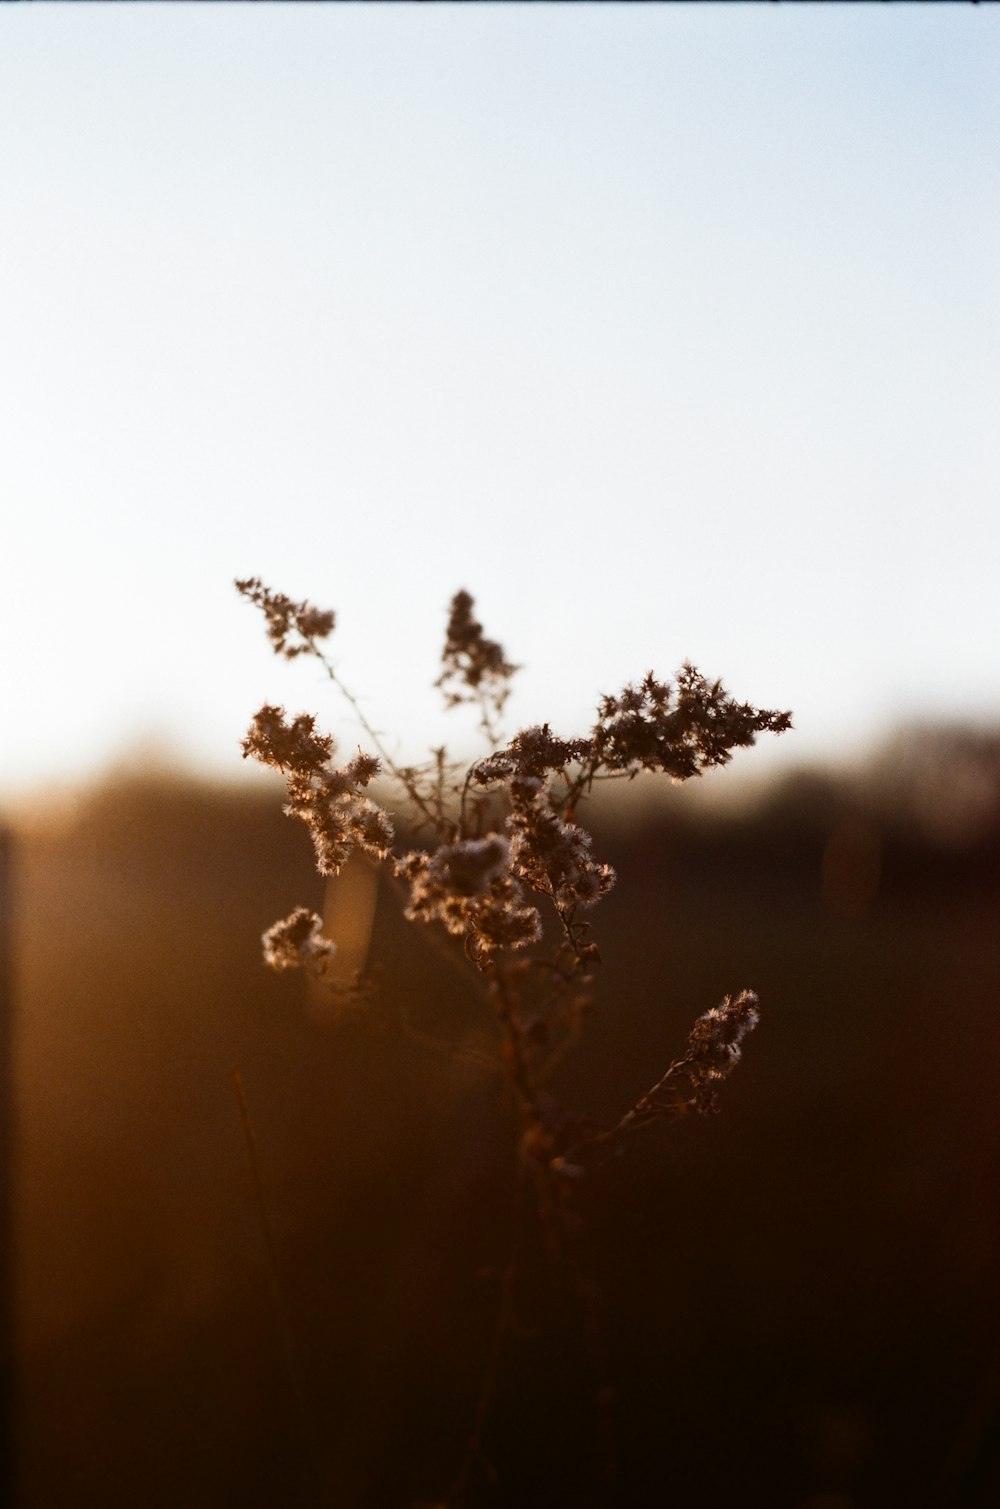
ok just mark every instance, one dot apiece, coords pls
pixel 668 333
pixel 798 1297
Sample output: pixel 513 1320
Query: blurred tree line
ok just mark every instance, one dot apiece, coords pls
pixel 798 1296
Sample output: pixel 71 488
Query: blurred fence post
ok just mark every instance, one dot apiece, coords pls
pixel 7 1473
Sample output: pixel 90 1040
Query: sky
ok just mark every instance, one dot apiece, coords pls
pixel 668 332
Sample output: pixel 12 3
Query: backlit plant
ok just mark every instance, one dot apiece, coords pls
pixel 504 875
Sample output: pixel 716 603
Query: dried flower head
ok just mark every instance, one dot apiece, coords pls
pixel 297 942
pixel 467 887
pixel 550 854
pixel 285 618
pixel 330 802
pixel 715 1047
pixel 535 751
pixel 716 1044
pixel 294 745
pixel 680 729
pixel 475 668
pixel 339 818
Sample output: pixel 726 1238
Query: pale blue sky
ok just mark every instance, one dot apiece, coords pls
pixel 668 332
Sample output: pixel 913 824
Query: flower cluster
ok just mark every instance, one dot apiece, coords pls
pixel 475 668
pixel 330 802
pixel 715 1046
pixel 284 618
pixel 550 854
pixel 468 887
pixel 681 729
pixel 534 752
pixel 286 745
pixel 338 816
pixel 297 941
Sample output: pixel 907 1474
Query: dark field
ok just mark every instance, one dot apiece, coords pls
pixel 800 1297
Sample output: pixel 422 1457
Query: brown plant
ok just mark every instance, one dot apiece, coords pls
pixel 507 873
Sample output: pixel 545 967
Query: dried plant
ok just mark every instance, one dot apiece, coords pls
pixel 506 876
